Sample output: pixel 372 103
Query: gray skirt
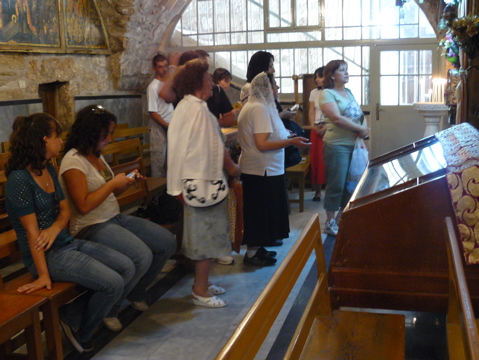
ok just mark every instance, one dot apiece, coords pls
pixel 206 231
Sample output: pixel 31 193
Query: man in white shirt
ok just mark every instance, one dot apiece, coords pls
pixel 160 114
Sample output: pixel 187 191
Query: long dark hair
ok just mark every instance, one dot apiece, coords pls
pixel 27 146
pixel 329 70
pixel 319 72
pixel 258 63
pixel 91 125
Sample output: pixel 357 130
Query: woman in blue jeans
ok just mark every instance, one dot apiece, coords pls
pixel 39 214
pixel 90 187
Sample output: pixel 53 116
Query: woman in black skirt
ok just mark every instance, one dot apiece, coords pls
pixel 263 137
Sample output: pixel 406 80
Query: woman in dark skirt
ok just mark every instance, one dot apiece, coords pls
pixel 263 137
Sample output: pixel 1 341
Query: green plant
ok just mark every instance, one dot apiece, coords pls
pixel 465 32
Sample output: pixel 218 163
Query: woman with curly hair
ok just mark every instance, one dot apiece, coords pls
pixel 39 214
pixel 197 162
pixel 91 186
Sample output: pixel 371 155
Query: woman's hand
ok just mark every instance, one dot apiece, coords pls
pixel 45 239
pixel 364 132
pixel 122 182
pixel 300 142
pixel 234 172
pixel 320 129
pixel 40 283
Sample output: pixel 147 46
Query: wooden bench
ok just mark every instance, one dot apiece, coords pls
pixel 141 133
pixel 298 173
pixel 462 326
pixel 322 333
pixel 19 313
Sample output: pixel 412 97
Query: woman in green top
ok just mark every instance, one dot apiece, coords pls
pixel 343 118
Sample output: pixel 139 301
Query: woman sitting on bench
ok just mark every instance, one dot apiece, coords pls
pixel 39 214
pixel 91 186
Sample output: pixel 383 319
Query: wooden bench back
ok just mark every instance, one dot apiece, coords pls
pixel 253 329
pixel 117 151
pixel 462 332
pixel 137 192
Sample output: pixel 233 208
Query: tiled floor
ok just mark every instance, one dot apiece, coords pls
pixel 174 329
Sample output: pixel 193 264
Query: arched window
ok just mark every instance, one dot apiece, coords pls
pixel 303 35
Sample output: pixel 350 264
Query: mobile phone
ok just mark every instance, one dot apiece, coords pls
pixel 132 175
pixel 294 107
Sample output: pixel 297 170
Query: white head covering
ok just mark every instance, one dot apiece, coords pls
pixel 262 92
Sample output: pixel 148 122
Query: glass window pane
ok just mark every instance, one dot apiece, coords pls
pixel 409 62
pixel 222 39
pixel 222 23
pixel 409 90
pixel 301 61
pixel 352 33
pixel 274 13
pixel 425 88
pixel 333 34
pixel 389 63
pixel 285 13
pixel 287 63
pixel 205 14
pixel 333 13
pixel 255 15
pixel 223 59
pixel 354 85
pixel 389 32
pixel 238 18
pixel 332 54
pixel 238 38
pixel 256 37
pixel 409 31
pixel 205 40
pixel 352 15
pixel 389 90
pixel 315 58
pixel 425 62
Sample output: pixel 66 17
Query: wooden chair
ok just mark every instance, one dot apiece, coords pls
pixel 129 149
pixel 298 173
pixel 462 326
pixel 322 333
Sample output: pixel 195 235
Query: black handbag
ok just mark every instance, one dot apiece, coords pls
pixel 292 155
pixel 163 209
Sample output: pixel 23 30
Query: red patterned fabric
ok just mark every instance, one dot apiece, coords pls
pixel 461 151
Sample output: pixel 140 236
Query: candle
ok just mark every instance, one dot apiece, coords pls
pixel 438 87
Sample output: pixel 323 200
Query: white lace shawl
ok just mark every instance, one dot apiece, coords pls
pixel 261 92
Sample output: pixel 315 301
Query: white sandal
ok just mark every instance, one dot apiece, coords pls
pixel 216 290
pixel 212 302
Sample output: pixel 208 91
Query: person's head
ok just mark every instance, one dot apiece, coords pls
pixel 34 140
pixel 274 85
pixel 187 56
pixel 259 62
pixel 91 131
pixel 160 65
pixel 222 77
pixel 319 76
pixel 335 72
pixel 203 55
pixel 193 79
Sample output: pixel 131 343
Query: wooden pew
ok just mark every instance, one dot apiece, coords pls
pixel 19 313
pixel 322 333
pixel 462 328
pixel 298 173
pixel 141 132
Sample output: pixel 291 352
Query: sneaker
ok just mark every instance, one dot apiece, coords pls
pixel 112 323
pixel 331 228
pixel 71 336
pixel 139 305
pixel 225 260
pixel 87 346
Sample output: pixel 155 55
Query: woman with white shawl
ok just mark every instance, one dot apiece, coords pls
pixel 197 162
pixel 263 137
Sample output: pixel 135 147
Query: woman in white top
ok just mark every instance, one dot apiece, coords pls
pixel 91 186
pixel 263 137
pixel 197 162
pixel 318 128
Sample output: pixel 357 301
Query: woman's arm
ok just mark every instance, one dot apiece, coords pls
pixel 231 168
pixel 46 237
pixel 85 201
pixel 311 113
pixel 331 110
pixel 30 224
pixel 263 143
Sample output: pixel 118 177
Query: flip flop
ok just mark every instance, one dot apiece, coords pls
pixel 212 302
